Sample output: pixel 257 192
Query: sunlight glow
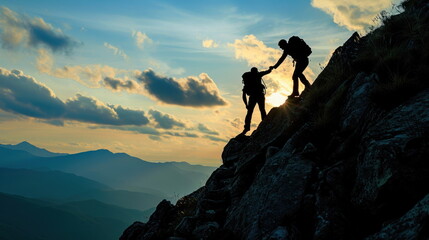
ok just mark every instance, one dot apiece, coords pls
pixel 276 99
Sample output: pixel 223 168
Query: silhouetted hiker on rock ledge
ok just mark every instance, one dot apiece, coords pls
pixel 299 51
pixel 256 90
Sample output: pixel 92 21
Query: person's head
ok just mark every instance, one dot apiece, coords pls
pixel 282 44
pixel 254 70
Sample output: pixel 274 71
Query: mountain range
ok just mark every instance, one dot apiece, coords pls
pixel 65 187
pixel 117 170
pixel 28 147
pixel 88 195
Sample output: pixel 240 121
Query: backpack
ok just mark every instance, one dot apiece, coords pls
pixel 298 48
pixel 252 84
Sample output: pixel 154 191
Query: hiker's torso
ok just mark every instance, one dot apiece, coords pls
pixel 297 48
pixel 296 55
pixel 253 83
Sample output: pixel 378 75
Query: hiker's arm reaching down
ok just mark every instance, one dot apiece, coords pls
pixel 281 59
pixel 244 99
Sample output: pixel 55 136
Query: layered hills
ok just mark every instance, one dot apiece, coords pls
pixel 89 195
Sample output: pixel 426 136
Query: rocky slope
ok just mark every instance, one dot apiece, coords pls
pixel 344 162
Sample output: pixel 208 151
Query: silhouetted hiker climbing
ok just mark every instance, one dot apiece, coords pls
pixel 256 90
pixel 299 51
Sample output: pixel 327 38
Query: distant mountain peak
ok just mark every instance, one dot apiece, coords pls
pixel 25 143
pixel 102 150
pixel 28 145
pixel 32 149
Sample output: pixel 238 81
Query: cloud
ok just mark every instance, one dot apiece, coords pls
pixel 136 129
pixel 54 122
pixel 236 122
pixel 90 75
pixel 255 52
pixel 180 134
pixel 209 43
pixel 354 15
pixel 215 139
pixel 140 38
pixel 116 50
pixel 44 61
pixel 204 129
pixel 18 30
pixel 23 95
pixel 118 84
pixel 153 133
pixel 129 116
pixel 165 121
pixel 192 91
pixel 91 110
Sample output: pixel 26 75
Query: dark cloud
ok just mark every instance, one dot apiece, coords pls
pixel 215 139
pixel 136 129
pixel 155 138
pixel 179 134
pixel 49 37
pixel 17 30
pixel 119 84
pixel 191 135
pixel 87 109
pixel 153 133
pixel 54 122
pixel 131 117
pixel 192 92
pixel 204 129
pixel 165 121
pixel 24 95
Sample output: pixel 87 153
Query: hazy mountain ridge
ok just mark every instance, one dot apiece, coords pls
pixel 64 187
pixel 28 147
pixel 117 170
pixel 349 160
pixel 49 184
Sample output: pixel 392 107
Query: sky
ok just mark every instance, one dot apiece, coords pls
pixel 159 80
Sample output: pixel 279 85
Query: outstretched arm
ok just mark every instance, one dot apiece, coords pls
pixel 244 99
pixel 281 59
pixel 263 73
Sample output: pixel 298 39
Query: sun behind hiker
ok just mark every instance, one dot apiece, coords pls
pixel 299 51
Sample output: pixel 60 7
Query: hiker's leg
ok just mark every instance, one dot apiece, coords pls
pixel 295 76
pixel 250 107
pixel 300 67
pixel 261 104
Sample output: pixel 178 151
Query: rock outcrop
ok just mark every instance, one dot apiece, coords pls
pixel 334 165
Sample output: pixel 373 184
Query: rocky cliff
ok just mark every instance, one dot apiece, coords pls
pixel 349 160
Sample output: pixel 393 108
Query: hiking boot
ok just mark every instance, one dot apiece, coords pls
pixel 246 129
pixel 307 88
